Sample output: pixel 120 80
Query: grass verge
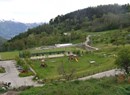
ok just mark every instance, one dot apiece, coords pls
pixel 104 86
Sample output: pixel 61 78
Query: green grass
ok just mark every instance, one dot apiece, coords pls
pixel 82 67
pixel 12 54
pixel 26 74
pixel 2 70
pixel 9 55
pixel 115 37
pixel 104 59
pixel 104 86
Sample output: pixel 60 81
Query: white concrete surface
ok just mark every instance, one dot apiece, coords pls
pixel 11 75
pixel 49 56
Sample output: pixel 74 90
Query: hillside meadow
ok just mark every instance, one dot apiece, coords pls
pixel 103 58
pixel 104 86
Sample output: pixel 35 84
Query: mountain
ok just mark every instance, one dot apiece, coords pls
pixel 9 29
pixel 74 24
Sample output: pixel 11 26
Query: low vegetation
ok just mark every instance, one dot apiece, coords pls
pixel 114 37
pixel 82 67
pixel 2 69
pixel 123 60
pixel 23 65
pixel 9 55
pixel 104 86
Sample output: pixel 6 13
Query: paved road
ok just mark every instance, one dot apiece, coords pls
pixel 103 74
pixel 11 75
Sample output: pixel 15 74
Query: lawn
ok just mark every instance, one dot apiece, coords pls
pixel 82 67
pixel 12 54
pixel 9 55
pixel 104 60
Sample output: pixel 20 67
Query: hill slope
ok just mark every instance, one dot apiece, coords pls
pixel 76 24
pixel 104 86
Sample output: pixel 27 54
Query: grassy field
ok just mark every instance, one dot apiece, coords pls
pixel 9 55
pixel 104 59
pixel 82 67
pixel 104 86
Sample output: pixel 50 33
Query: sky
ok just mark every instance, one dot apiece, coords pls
pixel 30 11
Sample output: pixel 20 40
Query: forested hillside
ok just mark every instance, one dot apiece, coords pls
pixel 94 18
pixel 2 40
pixel 74 24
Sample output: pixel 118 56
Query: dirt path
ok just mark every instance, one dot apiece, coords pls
pixel 11 75
pixel 87 44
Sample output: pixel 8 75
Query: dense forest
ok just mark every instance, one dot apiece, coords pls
pixel 2 40
pixel 70 27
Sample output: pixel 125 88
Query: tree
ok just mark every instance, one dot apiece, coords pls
pixel 19 61
pixel 123 60
pixel 66 74
pixel 26 54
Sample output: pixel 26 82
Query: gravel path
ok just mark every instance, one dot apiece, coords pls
pixel 11 75
pixel 103 74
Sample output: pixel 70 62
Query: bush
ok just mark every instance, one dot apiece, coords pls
pixel 25 74
pixel 19 61
pixel 2 90
pixel 25 54
pixel 124 90
pixel 2 70
pixel 123 60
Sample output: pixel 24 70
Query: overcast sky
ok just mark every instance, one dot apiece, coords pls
pixel 43 10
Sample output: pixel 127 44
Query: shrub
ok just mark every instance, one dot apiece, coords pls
pixel 25 54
